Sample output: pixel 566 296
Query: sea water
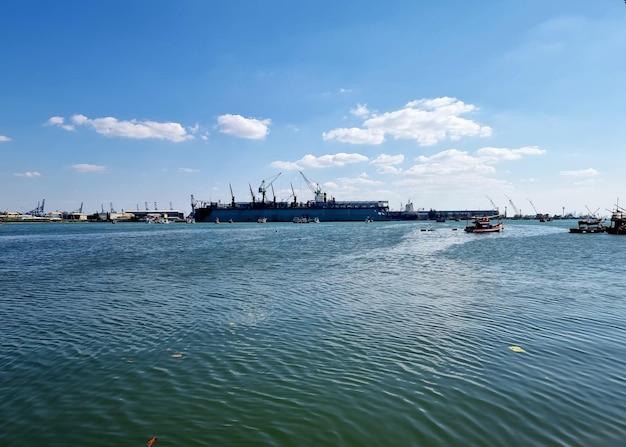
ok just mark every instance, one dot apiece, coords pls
pixel 329 334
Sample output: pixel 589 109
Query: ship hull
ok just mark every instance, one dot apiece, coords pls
pixel 324 214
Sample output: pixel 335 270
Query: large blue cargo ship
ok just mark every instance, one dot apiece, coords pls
pixel 320 208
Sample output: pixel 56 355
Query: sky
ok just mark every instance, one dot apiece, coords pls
pixel 449 105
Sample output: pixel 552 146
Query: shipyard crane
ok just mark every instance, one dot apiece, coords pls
pixel 494 205
pixel 536 212
pixel 517 212
pixel 232 196
pixel 293 193
pixel 39 210
pixel 252 193
pixel 263 187
pixel 315 188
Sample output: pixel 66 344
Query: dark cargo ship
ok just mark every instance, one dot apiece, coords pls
pixel 320 208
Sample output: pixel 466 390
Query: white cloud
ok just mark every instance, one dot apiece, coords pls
pixel 242 127
pixel 112 127
pixel 188 170
pixel 84 167
pixel 198 130
pixel 27 174
pixel 355 135
pixel 385 164
pixel 360 180
pixel 499 153
pixel 4 138
pixel 426 121
pixel 580 173
pixel 59 121
pixel 448 162
pixel 384 159
pixel 455 162
pixel 360 110
pixel 324 161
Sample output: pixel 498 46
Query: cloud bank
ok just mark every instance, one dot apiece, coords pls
pixel 324 161
pixel 112 127
pixel 427 121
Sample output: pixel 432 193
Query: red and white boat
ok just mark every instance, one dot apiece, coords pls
pixel 484 224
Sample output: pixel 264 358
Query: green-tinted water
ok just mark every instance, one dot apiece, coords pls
pixel 342 334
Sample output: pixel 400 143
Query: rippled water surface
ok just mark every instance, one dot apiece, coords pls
pixel 330 334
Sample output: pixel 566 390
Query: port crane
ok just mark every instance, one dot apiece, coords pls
pixel 38 212
pixel 537 215
pixel 232 196
pixel 518 213
pixel 494 205
pixel 267 183
pixel 293 194
pixel 315 188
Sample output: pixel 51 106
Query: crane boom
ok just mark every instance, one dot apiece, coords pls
pixel 263 187
pixel 517 213
pixel 315 188
pixel 293 193
pixel 494 205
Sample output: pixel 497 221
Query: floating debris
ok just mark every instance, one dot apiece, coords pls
pixel 177 355
pixel 516 349
pixel 151 441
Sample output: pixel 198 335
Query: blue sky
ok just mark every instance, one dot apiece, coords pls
pixel 446 104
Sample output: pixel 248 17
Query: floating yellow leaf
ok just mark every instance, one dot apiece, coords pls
pixel 516 349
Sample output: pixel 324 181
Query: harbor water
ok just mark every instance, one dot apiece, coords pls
pixel 328 334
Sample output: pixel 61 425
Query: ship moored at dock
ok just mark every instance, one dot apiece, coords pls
pixel 321 208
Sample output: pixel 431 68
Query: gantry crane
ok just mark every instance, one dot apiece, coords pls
pixel 39 210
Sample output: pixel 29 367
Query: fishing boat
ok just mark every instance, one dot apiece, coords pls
pixel 322 208
pixel 591 224
pixel 618 221
pixel 484 224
